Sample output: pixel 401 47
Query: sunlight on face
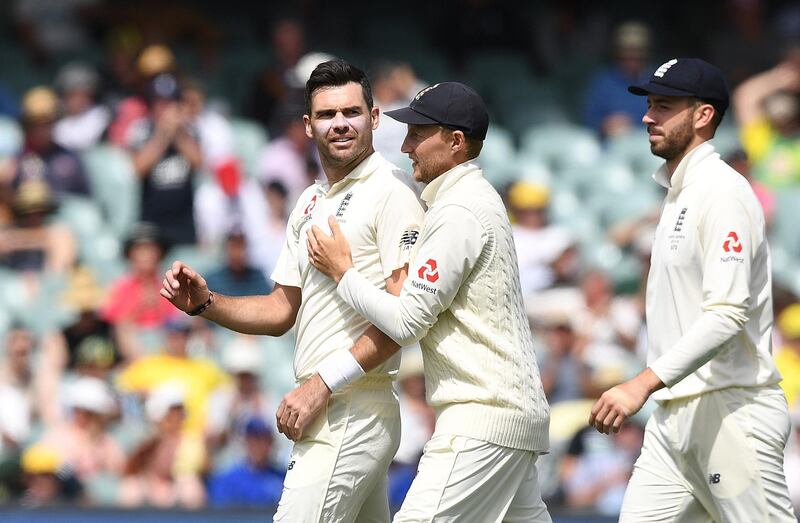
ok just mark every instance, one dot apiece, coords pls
pixel 341 124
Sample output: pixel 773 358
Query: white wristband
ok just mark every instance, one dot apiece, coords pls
pixel 339 369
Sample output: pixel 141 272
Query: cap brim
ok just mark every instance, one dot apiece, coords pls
pixel 654 88
pixel 410 116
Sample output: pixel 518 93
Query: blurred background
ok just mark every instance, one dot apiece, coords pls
pixel 135 133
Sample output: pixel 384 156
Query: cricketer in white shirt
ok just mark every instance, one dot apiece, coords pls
pixel 354 441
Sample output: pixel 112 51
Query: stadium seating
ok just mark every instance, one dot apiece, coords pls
pixel 249 139
pixel 115 186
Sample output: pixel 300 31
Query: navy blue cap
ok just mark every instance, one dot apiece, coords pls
pixel 449 104
pixel 687 77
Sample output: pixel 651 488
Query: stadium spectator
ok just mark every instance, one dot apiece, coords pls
pixel 84 121
pixel 198 377
pixel 538 242
pixel 82 441
pixel 213 128
pixel 609 108
pixel 133 299
pixel 766 196
pixel 253 482
pixel 287 158
pixel 274 85
pixel 768 112
pixel 237 277
pixel 42 159
pixel 565 376
pixel 595 470
pixel 47 481
pixel 265 254
pixel 165 469
pixel 606 318
pixel 35 243
pixel 85 347
pixel 152 61
pixel 16 390
pixel 232 406
pixel 394 84
pixel 166 156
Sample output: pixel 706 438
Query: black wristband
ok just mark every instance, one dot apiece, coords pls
pixel 200 308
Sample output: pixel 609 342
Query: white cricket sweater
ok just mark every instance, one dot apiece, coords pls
pixel 462 299
pixel 709 291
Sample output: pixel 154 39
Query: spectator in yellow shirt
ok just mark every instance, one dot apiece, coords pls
pixel 199 377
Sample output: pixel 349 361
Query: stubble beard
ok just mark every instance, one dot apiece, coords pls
pixel 675 144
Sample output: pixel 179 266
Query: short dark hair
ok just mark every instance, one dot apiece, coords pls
pixel 335 73
pixel 473 145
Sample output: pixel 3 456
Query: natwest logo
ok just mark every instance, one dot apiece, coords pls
pixel 732 243
pixel 429 271
pixel 311 205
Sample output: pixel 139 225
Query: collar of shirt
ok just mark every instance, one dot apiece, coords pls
pixel 444 181
pixel 368 166
pixel 684 174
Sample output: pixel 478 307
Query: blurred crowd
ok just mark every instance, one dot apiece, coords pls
pixel 112 168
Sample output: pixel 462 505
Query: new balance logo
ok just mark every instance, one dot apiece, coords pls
pixel 713 479
pixel 661 71
pixel 408 239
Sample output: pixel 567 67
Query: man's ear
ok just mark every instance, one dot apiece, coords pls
pixel 459 141
pixel 375 113
pixel 307 123
pixel 704 115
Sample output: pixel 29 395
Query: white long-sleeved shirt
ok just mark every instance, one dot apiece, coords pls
pixel 709 291
pixel 380 216
pixel 462 300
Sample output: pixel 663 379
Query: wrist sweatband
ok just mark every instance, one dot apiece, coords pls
pixel 339 369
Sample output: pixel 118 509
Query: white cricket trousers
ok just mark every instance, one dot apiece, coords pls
pixel 466 480
pixel 714 457
pixel 337 472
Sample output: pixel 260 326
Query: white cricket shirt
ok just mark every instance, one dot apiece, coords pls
pixel 709 291
pixel 380 217
pixel 462 299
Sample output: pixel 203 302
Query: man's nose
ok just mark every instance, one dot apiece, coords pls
pixel 340 122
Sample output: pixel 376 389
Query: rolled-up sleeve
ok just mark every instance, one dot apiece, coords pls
pixel 450 244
